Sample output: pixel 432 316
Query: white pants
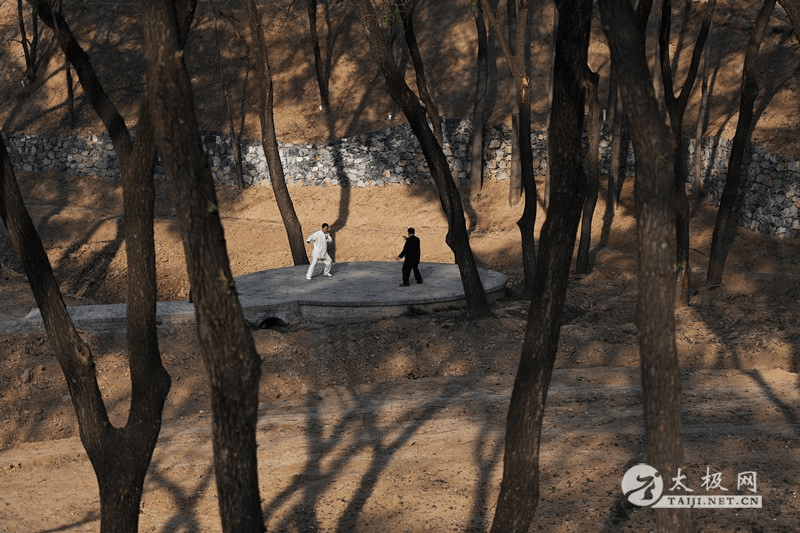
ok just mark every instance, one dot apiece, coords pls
pixel 327 260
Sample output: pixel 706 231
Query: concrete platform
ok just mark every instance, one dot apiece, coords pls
pixel 356 291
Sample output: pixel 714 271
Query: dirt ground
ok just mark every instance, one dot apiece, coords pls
pixel 397 425
pixel 373 426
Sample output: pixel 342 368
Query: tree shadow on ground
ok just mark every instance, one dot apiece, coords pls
pixel 184 498
pixel 381 436
pixel 91 517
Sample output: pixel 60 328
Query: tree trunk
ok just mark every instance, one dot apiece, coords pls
pixel 702 113
pixel 676 107
pixel 68 75
pixel 616 171
pixel 457 238
pixel 619 154
pixel 72 353
pixel 225 341
pixel 583 261
pixel 792 8
pixel 121 456
pixel 517 51
pixel 682 220
pixel 519 490
pixel 322 77
pixel 527 222
pixel 479 109
pixel 515 168
pixel 269 141
pixel 725 226
pixel 29 48
pixel 237 156
pixel 407 16
pixel 515 165
pixel 70 104
pixel 70 94
pixel 611 98
pixel 655 161
pixel 79 59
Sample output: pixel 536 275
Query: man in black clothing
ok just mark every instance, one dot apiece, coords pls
pixel 411 254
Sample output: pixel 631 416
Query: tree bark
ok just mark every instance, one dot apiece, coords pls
pixel 457 238
pixel 29 49
pixel 121 456
pixel 515 165
pixel 79 59
pixel 237 156
pixel 655 208
pixel 72 353
pixel 269 140
pixel 70 94
pixel 676 107
pixel 527 222
pixel 725 225
pixel 68 76
pixel 516 48
pixel 620 141
pixel 509 44
pixel 322 75
pixel 407 17
pixel 792 8
pixel 519 490
pixel 583 261
pixel 225 341
pixel 479 108
pixel 702 113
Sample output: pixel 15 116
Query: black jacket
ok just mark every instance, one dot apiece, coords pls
pixel 411 251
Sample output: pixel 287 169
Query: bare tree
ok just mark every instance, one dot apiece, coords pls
pixel 792 8
pixel 70 94
pixel 620 137
pixel 120 456
pixel 322 68
pixel 516 47
pixel 620 141
pixel 519 490
pixel 269 140
pixel 225 342
pixel 655 165
pixel 702 114
pixel 405 10
pixel 725 225
pixel 57 9
pixel 457 238
pixel 235 144
pixel 583 260
pixel 29 48
pixel 676 107
pixel 481 92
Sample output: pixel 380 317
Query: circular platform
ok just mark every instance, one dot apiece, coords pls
pixel 358 290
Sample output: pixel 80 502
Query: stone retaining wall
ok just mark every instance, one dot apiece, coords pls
pixel 393 156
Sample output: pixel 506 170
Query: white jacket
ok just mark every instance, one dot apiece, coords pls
pixel 320 240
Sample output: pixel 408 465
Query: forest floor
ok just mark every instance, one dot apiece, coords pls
pixel 370 426
pixel 398 425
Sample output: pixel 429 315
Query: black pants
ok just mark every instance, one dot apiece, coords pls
pixel 407 268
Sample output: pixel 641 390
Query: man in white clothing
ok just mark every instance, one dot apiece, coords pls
pixel 320 239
